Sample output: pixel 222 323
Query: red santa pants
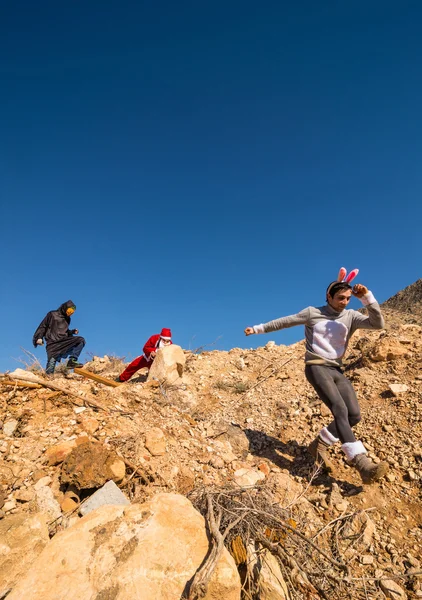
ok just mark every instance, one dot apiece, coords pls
pixel 139 363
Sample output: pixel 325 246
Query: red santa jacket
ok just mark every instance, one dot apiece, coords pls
pixel 151 346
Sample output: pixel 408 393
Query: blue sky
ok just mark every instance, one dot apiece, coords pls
pixel 203 166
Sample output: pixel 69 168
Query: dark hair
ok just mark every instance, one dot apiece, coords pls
pixel 337 286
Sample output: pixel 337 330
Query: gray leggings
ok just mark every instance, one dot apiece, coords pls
pixel 336 391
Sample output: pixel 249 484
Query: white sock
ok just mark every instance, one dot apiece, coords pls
pixel 352 449
pixel 327 437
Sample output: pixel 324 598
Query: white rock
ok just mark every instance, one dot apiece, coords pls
pixel 10 427
pixel 109 494
pixel 246 478
pixel 398 388
pixel 46 503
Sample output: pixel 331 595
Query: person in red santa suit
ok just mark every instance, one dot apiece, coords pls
pixel 155 342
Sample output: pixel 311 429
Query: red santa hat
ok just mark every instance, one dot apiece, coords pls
pixel 165 334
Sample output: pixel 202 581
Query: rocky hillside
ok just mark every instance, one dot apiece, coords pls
pixel 226 439
pixel 408 301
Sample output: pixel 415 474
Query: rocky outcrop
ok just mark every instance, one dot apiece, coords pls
pixel 141 552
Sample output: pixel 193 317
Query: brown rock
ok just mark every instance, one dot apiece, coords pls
pixel 237 438
pixel 38 474
pixel 138 552
pixel 155 441
pixel 89 424
pixel 24 495
pixel 91 465
pixel 68 504
pixel 263 466
pixel 56 454
pixel 286 489
pixel 387 349
pixel 392 589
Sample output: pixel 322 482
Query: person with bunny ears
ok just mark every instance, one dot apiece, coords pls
pixel 328 330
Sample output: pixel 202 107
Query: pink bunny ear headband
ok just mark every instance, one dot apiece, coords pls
pixel 343 277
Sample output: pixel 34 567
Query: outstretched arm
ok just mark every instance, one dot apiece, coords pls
pixel 301 318
pixel 374 320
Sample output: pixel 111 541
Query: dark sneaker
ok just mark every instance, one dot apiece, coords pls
pixel 72 363
pixel 118 379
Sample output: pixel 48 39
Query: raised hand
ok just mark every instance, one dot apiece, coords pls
pixel 249 331
pixel 359 290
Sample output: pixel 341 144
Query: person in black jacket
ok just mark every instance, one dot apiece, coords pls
pixel 61 341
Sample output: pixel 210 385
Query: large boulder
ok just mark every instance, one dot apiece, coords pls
pixel 91 465
pixel 168 365
pixel 22 539
pixel 144 551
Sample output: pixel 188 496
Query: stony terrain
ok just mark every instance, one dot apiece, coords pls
pixel 240 418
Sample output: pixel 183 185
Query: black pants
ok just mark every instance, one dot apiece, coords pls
pixel 336 391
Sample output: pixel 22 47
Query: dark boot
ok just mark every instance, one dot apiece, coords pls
pixel 319 450
pixel 72 363
pixel 368 470
pixel 51 365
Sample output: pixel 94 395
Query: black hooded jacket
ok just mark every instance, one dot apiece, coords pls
pixel 55 329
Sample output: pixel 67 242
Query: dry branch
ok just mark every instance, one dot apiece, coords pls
pixel 15 383
pixel 58 388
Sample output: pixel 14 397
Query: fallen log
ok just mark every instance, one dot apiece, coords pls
pixel 97 378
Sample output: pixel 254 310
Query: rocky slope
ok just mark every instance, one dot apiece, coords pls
pixel 240 419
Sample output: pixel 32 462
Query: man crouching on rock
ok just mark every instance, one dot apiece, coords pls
pixel 61 341
pixel 154 343
pixel 328 330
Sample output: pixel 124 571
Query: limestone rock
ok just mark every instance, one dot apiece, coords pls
pixel 246 478
pixel 140 552
pixel 91 465
pixel 24 375
pixel 22 539
pixel 46 503
pixel 108 494
pixel 398 388
pixel 155 441
pixel 10 427
pixel 168 365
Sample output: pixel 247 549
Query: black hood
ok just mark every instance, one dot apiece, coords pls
pixel 63 307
